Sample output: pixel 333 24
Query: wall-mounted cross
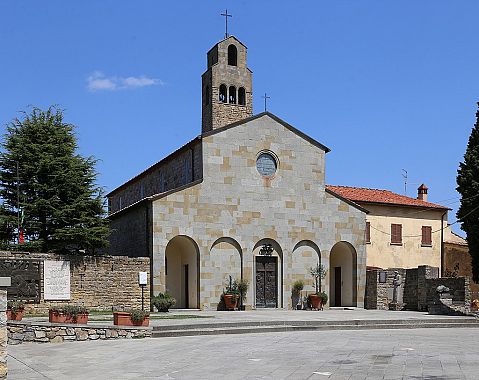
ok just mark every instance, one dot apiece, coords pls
pixel 265 97
pixel 226 15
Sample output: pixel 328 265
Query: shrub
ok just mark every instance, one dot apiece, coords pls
pixel 71 310
pixel 162 302
pixel 15 306
pixel 298 286
pixel 138 316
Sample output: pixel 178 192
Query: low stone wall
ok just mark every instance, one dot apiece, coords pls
pixel 20 332
pixel 380 294
pixel 97 282
pixel 460 292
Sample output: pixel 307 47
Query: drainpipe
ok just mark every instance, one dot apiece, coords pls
pixel 442 242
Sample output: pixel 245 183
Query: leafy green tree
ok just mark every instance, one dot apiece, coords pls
pixel 61 206
pixel 468 187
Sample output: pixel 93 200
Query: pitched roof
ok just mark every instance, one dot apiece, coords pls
pixel 377 196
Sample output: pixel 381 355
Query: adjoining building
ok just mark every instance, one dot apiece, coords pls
pixel 401 232
pixel 245 199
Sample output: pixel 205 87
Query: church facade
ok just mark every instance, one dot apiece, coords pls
pixel 209 210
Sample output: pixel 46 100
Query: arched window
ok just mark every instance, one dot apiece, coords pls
pixel 232 55
pixel 232 92
pixel 241 96
pixel 222 96
pixel 207 95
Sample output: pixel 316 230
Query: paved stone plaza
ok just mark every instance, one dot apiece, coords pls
pixel 375 354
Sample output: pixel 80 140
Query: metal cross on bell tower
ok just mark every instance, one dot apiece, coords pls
pixel 226 15
pixel 265 97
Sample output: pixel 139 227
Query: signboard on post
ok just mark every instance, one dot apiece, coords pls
pixel 142 278
pixel 56 280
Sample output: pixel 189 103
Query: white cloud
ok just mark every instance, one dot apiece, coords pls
pixel 98 82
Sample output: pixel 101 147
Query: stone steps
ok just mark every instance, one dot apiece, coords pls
pixel 283 326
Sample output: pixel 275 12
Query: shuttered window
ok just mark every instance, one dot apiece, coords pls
pixel 426 235
pixel 396 233
pixel 368 232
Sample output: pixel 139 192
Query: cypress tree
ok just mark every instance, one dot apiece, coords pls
pixel 60 205
pixel 468 187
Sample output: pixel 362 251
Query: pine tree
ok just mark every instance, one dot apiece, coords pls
pixel 468 187
pixel 61 206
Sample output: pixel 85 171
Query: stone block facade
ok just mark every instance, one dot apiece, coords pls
pixel 380 294
pixel 97 282
pixel 235 205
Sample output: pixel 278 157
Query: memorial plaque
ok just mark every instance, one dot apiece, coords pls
pixel 25 275
pixel 56 280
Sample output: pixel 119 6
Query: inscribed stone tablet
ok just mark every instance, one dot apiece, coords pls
pixel 56 280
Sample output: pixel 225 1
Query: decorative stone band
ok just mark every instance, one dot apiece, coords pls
pixel 19 332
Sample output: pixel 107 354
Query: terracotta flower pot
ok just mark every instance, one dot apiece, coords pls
pixel 11 316
pixel 56 317
pixel 230 301
pixel 316 301
pixel 123 318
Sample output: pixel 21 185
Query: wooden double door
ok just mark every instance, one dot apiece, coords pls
pixel 266 281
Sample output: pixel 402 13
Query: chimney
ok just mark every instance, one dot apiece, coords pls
pixel 422 193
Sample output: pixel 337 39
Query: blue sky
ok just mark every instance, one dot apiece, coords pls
pixel 387 85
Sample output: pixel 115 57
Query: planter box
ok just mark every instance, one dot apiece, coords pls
pixel 54 317
pixel 11 316
pixel 123 318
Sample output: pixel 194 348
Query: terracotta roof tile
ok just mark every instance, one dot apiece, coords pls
pixel 359 194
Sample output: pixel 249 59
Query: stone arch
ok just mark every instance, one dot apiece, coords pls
pixel 306 254
pixel 182 263
pixel 232 95
pixel 241 96
pixel 343 275
pixel 226 259
pixel 277 256
pixel 232 55
pixel 222 95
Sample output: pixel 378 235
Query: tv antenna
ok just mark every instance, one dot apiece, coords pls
pixel 404 174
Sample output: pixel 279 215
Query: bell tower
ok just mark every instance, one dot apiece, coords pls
pixel 226 85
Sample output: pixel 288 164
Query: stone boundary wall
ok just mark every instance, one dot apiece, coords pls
pixel 19 332
pixel 380 294
pixel 412 293
pixel 460 291
pixel 97 282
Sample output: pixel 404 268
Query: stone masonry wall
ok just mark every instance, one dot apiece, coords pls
pixel 20 332
pixel 3 334
pixel 380 294
pixel 460 290
pixel 178 169
pixel 97 282
pixel 412 294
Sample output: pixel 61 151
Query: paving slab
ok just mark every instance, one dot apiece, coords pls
pixel 368 354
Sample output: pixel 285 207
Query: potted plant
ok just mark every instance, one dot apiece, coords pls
pixel 162 302
pixel 298 286
pixel 68 314
pixel 15 310
pixel 131 318
pixel 243 290
pixel 231 295
pixel 315 300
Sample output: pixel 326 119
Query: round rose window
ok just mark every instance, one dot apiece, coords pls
pixel 266 164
